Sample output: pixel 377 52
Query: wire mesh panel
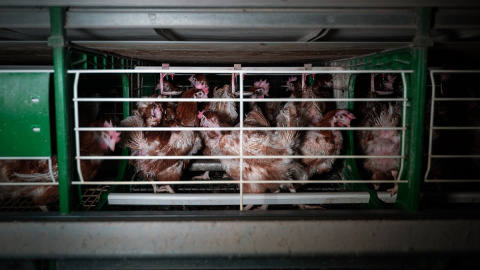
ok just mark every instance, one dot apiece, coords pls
pixel 252 92
pixel 454 129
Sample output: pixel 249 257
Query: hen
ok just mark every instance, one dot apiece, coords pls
pixel 324 142
pixel 259 90
pixel 324 86
pixel 381 142
pixel 197 79
pixel 294 85
pixel 226 110
pixel 309 112
pixel 168 143
pixel 147 114
pixel 166 88
pixel 257 143
pixel 96 143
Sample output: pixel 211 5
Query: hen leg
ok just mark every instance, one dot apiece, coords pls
pixel 305 206
pixel 248 207
pixel 375 176
pixel 394 190
pixel 165 188
pixel 205 176
pixel 43 208
pixel 263 207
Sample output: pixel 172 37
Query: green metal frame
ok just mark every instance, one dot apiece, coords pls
pixel 409 194
pixel 62 111
pixel 79 58
pixel 394 60
pixel 74 59
pixel 415 58
pixel 409 58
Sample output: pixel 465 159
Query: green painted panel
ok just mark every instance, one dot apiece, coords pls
pixel 24 115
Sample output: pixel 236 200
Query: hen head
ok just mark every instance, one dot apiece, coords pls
pixel 203 86
pixel 208 119
pixel 153 114
pixel 198 78
pixel 388 83
pixel 261 88
pixel 223 92
pixel 200 92
pixel 109 138
pixel 342 118
pixel 290 83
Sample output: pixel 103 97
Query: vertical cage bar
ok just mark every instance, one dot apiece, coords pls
pixel 241 139
pixel 409 194
pixel 62 115
pixel 76 123
pixel 126 113
pixel 404 124
pixel 430 128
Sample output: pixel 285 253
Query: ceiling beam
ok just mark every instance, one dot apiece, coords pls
pixel 245 46
pixel 234 18
pixel 218 18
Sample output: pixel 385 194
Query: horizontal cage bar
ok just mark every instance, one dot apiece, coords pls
pixel 234 199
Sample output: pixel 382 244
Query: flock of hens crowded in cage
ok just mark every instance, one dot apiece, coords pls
pixel 258 114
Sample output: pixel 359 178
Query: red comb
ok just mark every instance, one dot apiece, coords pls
pixel 112 133
pixel 200 114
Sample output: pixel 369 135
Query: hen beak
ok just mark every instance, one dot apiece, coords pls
pixel 111 145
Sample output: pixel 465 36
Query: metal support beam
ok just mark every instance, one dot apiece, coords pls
pixel 464 19
pixel 240 52
pixel 158 238
pixel 62 110
pixel 35 18
pixel 234 18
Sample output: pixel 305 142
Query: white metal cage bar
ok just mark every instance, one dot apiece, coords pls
pixel 50 172
pixel 432 127
pixel 256 199
pixel 241 99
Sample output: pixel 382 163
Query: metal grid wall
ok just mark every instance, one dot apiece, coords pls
pixel 240 198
